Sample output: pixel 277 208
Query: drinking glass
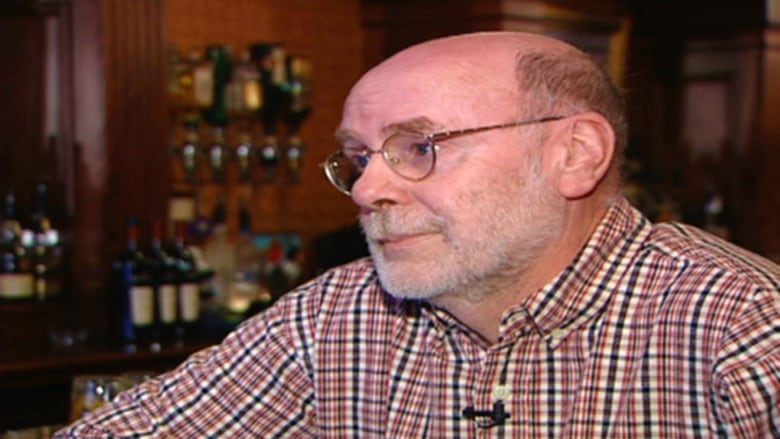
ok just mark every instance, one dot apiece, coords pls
pixel 92 391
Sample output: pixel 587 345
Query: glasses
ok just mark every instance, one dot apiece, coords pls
pixel 410 155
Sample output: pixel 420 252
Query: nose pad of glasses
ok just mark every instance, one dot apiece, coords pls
pixel 391 159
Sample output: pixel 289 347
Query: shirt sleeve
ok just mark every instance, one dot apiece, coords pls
pixel 748 390
pixel 256 383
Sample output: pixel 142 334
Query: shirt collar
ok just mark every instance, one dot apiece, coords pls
pixel 580 292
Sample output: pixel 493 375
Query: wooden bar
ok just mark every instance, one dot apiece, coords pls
pixel 35 382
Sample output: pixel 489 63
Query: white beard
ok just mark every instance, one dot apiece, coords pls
pixel 506 229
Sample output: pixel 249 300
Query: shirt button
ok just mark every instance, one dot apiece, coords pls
pixel 501 392
pixel 557 334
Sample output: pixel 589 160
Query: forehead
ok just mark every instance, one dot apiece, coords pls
pixel 443 90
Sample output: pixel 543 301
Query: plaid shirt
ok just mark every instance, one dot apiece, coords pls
pixel 653 331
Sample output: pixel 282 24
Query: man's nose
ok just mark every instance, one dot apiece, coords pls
pixel 377 185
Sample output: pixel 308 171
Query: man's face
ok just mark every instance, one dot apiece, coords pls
pixel 478 220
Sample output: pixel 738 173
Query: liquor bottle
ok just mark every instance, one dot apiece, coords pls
pixel 245 99
pixel 299 71
pixel 16 277
pixel 47 249
pixel 269 158
pixel 244 152
pixel 244 91
pixel 165 289
pixel 189 150
pixel 295 149
pixel 181 83
pixel 11 227
pixel 202 82
pixel 219 254
pixel 218 155
pixel 135 289
pixel 216 114
pixel 300 107
pixel 245 285
pixel 271 59
pixel 187 283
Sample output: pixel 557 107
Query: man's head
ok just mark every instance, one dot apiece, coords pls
pixel 495 202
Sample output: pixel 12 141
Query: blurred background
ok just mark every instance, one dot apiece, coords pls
pixel 159 158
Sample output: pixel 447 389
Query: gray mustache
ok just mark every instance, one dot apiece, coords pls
pixel 380 225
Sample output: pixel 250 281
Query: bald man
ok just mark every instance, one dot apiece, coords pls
pixel 511 291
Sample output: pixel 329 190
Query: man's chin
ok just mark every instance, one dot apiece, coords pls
pixel 401 286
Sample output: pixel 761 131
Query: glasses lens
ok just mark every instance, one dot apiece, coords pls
pixel 410 155
pixel 342 171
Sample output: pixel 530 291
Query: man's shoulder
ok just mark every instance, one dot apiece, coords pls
pixel 701 252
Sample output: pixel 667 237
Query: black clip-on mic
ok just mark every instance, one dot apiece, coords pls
pixel 498 415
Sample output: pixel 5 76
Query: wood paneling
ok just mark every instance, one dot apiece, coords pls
pixel 117 111
pixel 764 221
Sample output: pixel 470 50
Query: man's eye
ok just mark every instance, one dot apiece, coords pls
pixel 358 159
pixel 421 149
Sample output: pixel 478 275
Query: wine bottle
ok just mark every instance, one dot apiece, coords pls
pixel 16 277
pixel 187 283
pixel 136 291
pixel 165 289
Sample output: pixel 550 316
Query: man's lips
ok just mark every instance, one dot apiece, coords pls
pixel 402 239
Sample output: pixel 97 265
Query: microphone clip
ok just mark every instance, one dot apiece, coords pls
pixel 498 415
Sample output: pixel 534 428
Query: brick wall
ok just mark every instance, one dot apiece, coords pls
pixel 329 34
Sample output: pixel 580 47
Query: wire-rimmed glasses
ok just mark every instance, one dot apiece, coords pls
pixel 410 155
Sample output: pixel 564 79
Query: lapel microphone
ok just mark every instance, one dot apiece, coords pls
pixel 498 415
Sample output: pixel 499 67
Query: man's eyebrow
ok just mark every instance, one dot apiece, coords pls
pixel 344 134
pixel 415 125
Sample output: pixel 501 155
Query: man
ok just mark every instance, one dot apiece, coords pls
pixel 511 292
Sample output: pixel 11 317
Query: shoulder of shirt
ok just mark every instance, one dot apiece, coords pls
pixel 699 249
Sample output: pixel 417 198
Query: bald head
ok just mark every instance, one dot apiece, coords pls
pixel 529 74
pixel 481 46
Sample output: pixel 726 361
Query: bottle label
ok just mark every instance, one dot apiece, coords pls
pixel 189 300
pixel 40 288
pixel 167 303
pixel 142 305
pixel 253 95
pixel 16 285
pixel 203 85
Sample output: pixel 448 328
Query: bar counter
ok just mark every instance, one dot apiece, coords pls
pixel 35 381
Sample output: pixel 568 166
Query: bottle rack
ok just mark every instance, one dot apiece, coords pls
pixel 237 117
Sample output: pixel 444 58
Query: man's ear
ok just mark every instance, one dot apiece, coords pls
pixel 586 153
